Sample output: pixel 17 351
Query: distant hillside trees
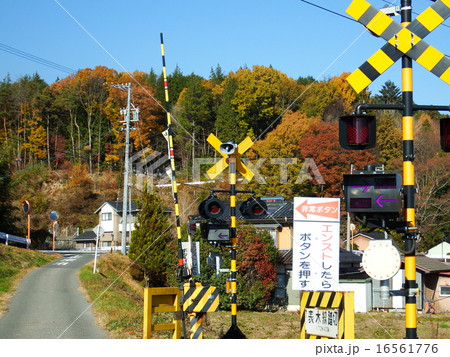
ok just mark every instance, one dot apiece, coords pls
pixel 77 121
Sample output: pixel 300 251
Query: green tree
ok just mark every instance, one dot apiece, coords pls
pixel 389 94
pixel 228 124
pixel 196 115
pixel 7 219
pixel 151 243
pixel 217 76
pixel 389 146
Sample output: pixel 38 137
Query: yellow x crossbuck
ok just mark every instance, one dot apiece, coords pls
pixel 400 41
pixel 223 164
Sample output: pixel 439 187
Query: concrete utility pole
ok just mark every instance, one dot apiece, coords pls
pixel 126 173
pixel 126 112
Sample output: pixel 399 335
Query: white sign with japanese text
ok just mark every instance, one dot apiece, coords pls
pixel 322 322
pixel 315 262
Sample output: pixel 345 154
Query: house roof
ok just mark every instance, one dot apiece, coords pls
pixel 86 236
pixel 371 234
pixel 118 206
pixel 285 256
pixel 429 265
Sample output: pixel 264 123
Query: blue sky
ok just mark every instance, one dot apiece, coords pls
pixel 291 35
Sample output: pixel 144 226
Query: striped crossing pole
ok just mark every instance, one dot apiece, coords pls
pixel 181 268
pixel 234 331
pixel 233 239
pixel 182 272
pixel 408 185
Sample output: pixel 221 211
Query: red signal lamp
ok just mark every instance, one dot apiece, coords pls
pixel 253 208
pixel 211 208
pixel 357 132
pixel 445 134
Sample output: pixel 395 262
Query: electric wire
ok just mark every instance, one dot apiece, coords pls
pixel 121 66
pixel 36 59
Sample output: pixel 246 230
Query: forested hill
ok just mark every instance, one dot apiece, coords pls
pixel 63 145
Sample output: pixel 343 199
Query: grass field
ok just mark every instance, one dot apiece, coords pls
pixel 119 307
pixel 15 263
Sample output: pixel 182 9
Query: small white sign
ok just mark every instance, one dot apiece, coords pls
pixel 322 322
pixel 192 257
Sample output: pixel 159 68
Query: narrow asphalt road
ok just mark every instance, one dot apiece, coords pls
pixel 48 304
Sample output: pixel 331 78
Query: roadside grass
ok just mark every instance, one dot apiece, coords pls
pixel 117 298
pixel 15 263
pixel 119 308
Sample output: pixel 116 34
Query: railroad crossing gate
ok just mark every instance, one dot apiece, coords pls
pixel 327 314
pixel 221 165
pixel 400 41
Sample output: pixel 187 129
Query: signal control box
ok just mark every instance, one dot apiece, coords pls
pixel 373 194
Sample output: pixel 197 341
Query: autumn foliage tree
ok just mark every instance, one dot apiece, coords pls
pixel 257 261
pixel 321 143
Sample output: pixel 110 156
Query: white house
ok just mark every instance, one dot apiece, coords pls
pixel 440 251
pixel 110 215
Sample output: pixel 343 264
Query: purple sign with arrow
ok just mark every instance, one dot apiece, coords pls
pixel 379 200
pixel 366 186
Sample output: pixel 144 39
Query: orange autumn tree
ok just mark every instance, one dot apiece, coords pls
pixel 321 143
pixel 277 157
pixel 151 115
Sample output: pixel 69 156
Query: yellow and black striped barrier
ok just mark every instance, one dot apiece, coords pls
pixel 327 314
pixel 198 300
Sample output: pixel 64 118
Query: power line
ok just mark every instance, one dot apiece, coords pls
pixel 328 10
pixel 36 59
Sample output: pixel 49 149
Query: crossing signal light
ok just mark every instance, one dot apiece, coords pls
pixel 254 207
pixel 228 148
pixel 357 132
pixel 445 134
pixel 212 208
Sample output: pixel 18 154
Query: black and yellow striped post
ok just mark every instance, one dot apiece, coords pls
pixel 234 331
pixel 405 41
pixel 410 237
pixel 230 158
pixel 182 272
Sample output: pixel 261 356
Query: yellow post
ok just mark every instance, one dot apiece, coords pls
pixel 158 300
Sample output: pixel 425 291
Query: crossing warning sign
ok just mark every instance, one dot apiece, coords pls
pixel 400 41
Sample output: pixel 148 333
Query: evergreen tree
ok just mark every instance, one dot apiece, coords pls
pixel 7 219
pixel 151 241
pixel 217 75
pixel 389 94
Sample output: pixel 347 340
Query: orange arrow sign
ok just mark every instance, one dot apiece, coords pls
pixel 324 209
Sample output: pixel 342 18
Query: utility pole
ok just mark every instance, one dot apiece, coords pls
pixel 126 112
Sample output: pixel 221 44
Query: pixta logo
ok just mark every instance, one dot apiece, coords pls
pixel 308 170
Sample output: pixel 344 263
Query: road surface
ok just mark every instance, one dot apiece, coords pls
pixel 48 304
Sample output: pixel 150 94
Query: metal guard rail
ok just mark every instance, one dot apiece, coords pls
pixel 12 238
